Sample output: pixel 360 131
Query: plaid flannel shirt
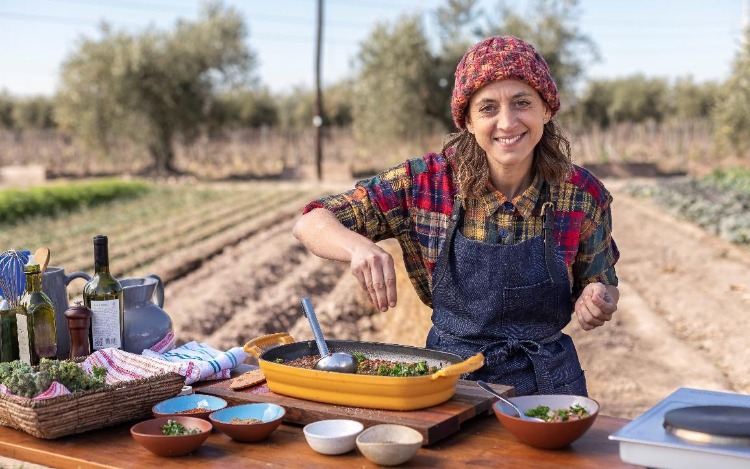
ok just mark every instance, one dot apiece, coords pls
pixel 412 202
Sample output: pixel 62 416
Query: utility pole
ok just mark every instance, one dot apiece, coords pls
pixel 318 117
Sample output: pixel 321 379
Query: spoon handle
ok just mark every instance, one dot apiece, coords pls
pixel 487 388
pixel 307 309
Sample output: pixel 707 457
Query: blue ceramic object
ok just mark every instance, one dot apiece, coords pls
pixel 238 422
pixel 191 405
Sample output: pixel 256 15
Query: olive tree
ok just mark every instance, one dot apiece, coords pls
pixel 154 87
pixel 732 112
pixel 396 76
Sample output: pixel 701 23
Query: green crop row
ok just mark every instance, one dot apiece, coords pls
pixel 18 205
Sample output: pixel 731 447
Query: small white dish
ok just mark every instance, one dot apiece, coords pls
pixel 388 444
pixel 335 436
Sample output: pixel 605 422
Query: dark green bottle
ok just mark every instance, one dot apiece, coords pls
pixel 8 335
pixel 35 320
pixel 104 297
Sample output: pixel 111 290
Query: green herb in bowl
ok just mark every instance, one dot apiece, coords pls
pixel 574 412
pixel 173 427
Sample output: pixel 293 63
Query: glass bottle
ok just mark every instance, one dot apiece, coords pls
pixel 8 334
pixel 35 320
pixel 103 296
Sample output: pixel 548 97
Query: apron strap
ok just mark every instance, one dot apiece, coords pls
pixel 548 227
pixel 448 243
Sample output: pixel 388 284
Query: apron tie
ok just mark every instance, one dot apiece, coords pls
pixel 533 349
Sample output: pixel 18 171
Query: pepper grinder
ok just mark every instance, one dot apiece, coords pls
pixel 79 323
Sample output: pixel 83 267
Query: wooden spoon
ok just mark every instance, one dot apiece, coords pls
pixel 41 256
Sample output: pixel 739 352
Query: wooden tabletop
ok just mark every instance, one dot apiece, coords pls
pixel 481 442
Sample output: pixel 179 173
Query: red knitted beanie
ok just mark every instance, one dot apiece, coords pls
pixel 497 58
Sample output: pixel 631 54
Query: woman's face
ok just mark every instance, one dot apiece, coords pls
pixel 507 119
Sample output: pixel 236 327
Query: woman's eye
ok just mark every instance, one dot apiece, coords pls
pixel 522 104
pixel 487 109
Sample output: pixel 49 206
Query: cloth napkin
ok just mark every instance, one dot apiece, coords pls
pixel 202 360
pixel 195 361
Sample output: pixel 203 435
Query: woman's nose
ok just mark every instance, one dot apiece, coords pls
pixel 506 118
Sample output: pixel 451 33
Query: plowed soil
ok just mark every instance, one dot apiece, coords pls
pixel 681 320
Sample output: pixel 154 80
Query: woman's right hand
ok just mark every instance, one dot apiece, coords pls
pixel 374 269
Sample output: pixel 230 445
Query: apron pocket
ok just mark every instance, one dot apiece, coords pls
pixel 530 305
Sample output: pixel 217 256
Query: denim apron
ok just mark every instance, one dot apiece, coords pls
pixel 509 302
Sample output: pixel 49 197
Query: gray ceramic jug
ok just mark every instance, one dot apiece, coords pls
pixel 55 286
pixel 146 323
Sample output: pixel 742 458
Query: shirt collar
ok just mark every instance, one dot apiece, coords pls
pixel 492 199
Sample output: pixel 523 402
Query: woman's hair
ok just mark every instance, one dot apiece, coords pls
pixel 552 160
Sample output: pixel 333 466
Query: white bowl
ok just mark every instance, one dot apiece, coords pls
pixel 389 445
pixel 336 436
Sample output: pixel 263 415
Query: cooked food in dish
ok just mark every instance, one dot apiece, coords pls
pixel 574 412
pixel 371 366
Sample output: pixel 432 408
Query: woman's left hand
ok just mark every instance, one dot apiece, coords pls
pixel 596 305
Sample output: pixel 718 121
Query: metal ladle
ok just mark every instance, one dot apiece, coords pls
pixel 339 362
pixel 521 415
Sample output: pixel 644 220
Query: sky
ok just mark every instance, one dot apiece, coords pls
pixel 657 38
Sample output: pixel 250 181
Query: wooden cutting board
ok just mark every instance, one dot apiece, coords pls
pixel 434 423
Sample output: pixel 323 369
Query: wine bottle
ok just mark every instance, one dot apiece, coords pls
pixel 35 320
pixel 103 296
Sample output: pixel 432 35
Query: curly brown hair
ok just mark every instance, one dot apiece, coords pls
pixel 552 159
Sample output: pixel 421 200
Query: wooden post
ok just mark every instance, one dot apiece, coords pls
pixel 318 117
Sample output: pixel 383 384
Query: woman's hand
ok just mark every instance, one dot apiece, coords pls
pixel 596 305
pixel 373 267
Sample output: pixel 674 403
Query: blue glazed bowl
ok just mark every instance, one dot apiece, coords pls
pixel 191 405
pixel 248 422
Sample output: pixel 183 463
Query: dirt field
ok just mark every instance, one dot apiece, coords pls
pixel 681 320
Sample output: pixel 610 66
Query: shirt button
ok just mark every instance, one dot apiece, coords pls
pixel 503 233
pixel 508 207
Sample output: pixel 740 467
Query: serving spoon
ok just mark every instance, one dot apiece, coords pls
pixel 521 415
pixel 339 362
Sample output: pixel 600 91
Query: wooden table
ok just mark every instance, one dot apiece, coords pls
pixel 482 442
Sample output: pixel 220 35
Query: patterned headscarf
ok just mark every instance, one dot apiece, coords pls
pixel 497 58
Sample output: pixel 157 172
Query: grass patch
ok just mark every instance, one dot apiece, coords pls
pixel 18 205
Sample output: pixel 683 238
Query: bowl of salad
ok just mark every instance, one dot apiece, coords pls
pixel 171 436
pixel 564 419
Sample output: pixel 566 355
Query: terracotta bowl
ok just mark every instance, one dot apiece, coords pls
pixel 270 416
pixel 546 435
pixel 149 435
pixel 389 445
pixel 334 436
pixel 191 405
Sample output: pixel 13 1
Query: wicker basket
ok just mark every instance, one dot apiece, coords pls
pixel 88 410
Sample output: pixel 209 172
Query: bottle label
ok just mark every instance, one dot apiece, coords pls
pixel 22 327
pixel 105 324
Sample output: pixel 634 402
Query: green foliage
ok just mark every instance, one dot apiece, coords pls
pixel 730 179
pixel 246 108
pixel 6 111
pixel 34 113
pixel 17 205
pixel 153 87
pixel 23 380
pixel 396 78
pixel 639 99
pixel 732 112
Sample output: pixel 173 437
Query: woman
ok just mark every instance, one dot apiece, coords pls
pixel 502 235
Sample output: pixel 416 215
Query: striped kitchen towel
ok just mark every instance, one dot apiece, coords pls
pixel 211 363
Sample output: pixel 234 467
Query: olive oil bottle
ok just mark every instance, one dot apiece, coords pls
pixel 104 297
pixel 35 320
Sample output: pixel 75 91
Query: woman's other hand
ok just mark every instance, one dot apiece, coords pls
pixel 596 305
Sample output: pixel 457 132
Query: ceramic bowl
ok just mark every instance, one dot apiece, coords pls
pixel 229 421
pixel 389 445
pixel 191 405
pixel 546 435
pixel 150 436
pixel 335 436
